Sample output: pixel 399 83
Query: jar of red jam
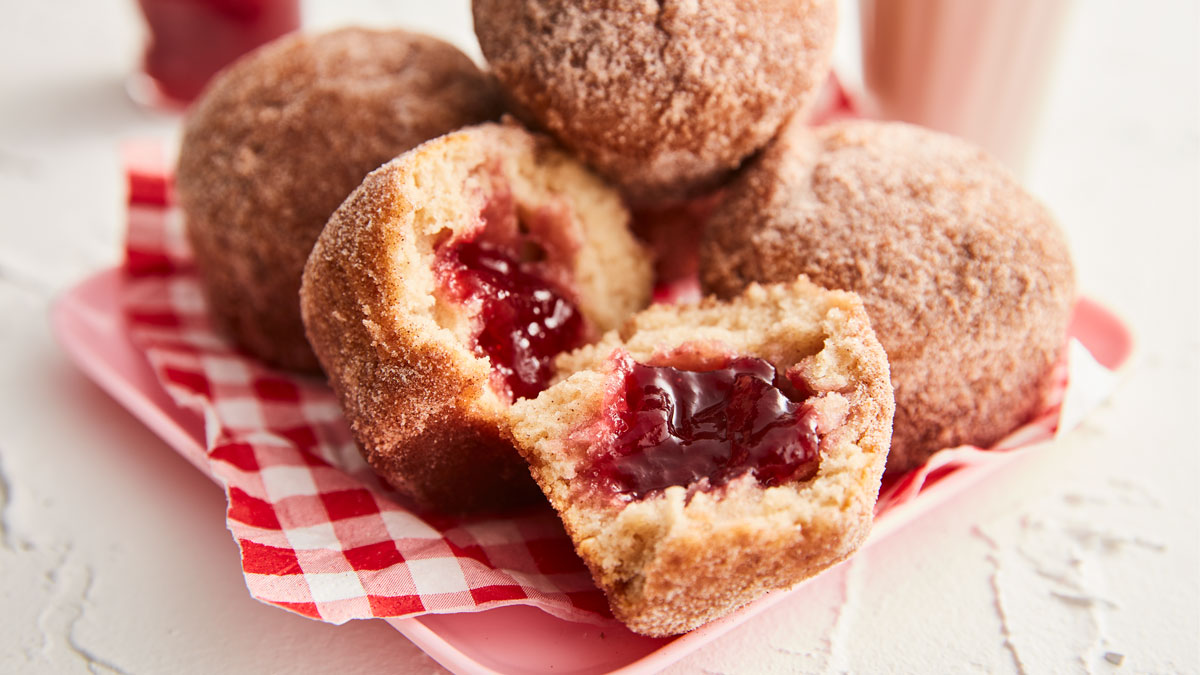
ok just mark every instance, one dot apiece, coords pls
pixel 190 40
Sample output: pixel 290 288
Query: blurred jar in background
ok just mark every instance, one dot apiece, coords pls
pixel 973 68
pixel 190 40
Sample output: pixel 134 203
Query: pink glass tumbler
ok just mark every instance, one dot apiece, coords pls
pixel 972 68
pixel 190 40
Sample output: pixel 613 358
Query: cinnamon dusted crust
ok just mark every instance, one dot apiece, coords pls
pixel 400 355
pixel 665 98
pixel 669 563
pixel 278 140
pixel 966 277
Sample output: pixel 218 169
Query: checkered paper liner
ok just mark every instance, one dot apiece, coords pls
pixel 319 534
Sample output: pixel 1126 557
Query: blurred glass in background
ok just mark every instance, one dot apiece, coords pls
pixel 972 68
pixel 188 41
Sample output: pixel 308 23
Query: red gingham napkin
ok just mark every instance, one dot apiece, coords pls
pixel 319 534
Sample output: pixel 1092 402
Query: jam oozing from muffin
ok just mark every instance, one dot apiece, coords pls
pixel 703 429
pixel 523 322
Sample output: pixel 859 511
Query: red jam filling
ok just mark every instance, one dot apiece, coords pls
pixel 523 321
pixel 702 430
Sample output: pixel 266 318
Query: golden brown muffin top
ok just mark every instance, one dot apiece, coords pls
pixel 664 98
pixel 966 277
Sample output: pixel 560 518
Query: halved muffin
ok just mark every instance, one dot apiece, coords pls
pixel 707 454
pixel 443 288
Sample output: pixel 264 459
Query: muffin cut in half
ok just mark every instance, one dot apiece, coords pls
pixel 441 291
pixel 707 454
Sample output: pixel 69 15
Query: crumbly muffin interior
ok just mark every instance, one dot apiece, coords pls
pixel 665 560
pixel 400 346
pixel 518 195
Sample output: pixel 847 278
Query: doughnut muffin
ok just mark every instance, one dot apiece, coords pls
pixel 664 98
pixel 707 454
pixel 279 139
pixel 966 277
pixel 441 291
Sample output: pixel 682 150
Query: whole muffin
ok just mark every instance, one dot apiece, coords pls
pixel 966 277
pixel 279 139
pixel 663 98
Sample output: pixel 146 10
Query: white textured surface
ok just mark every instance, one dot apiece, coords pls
pixel 1079 558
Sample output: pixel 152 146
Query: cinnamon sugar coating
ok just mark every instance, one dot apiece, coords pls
pixel 966 277
pixel 279 139
pixel 678 558
pixel 663 98
pixel 399 350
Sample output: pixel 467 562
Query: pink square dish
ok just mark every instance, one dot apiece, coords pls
pixel 89 324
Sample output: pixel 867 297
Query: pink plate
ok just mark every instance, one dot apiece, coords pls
pixel 89 324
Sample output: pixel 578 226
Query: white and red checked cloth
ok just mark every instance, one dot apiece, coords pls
pixel 319 534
